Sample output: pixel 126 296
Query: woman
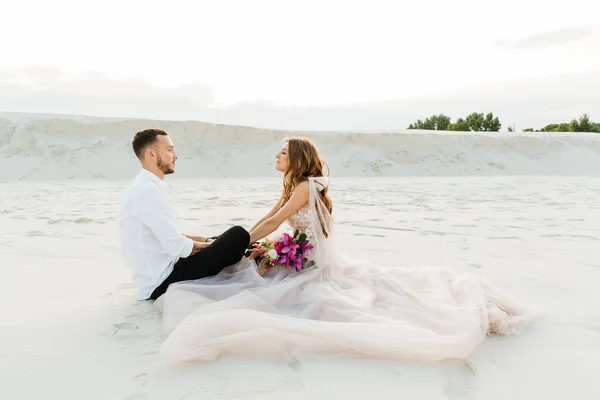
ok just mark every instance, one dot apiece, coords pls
pixel 340 307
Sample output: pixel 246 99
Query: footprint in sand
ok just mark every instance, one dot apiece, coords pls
pixel 131 324
pixel 141 379
pixel 138 317
pixel 125 326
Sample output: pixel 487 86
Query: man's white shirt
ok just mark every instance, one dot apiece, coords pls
pixel 150 241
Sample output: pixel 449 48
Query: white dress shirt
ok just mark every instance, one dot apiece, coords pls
pixel 150 241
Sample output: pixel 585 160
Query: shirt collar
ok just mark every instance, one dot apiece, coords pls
pixel 149 175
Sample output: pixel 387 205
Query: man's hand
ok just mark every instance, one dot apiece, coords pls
pixel 199 246
pixel 197 238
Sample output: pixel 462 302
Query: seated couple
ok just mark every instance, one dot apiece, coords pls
pixel 217 302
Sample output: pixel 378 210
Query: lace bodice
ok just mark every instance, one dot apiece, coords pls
pixel 300 221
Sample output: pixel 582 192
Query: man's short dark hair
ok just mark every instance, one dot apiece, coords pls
pixel 145 138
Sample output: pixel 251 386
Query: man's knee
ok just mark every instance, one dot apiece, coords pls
pixel 241 233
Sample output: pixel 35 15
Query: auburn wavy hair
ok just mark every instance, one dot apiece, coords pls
pixel 304 162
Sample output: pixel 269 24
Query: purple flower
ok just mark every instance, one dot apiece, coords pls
pixel 290 248
pixel 287 239
pixel 278 246
pixel 305 247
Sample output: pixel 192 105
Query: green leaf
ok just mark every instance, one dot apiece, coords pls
pixel 302 238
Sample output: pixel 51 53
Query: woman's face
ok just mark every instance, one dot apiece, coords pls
pixel 282 163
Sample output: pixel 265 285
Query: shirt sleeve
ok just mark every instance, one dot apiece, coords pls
pixel 154 210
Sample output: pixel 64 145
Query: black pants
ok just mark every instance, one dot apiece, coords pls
pixel 226 250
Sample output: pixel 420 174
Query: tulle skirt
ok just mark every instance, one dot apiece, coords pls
pixel 344 307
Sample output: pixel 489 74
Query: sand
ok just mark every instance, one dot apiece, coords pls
pixel 47 147
pixel 72 329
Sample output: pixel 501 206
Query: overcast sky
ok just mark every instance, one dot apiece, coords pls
pixel 331 65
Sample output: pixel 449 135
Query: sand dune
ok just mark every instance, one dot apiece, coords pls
pixel 66 147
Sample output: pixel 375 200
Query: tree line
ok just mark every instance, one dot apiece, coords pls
pixel 473 122
pixel 583 124
pixel 477 122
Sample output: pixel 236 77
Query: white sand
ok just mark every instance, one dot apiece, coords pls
pixel 34 147
pixel 72 329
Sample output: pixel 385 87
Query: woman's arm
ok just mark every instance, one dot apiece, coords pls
pixel 269 215
pixel 270 224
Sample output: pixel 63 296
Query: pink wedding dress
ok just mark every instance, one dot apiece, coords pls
pixel 342 307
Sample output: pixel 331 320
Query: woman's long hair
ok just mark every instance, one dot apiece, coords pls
pixel 304 162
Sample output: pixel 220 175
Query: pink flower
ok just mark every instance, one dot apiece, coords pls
pixel 291 248
pixel 292 251
pixel 287 239
pixel 278 246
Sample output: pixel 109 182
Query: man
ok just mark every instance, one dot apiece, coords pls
pixel 157 253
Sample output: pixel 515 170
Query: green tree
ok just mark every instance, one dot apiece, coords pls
pixel 435 122
pixel 475 121
pixel 478 122
pixel 557 128
pixel 563 128
pixel 441 122
pixel 460 125
pixel 583 125
pixel 491 124
pixel 550 128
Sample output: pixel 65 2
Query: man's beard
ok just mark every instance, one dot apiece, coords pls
pixel 164 167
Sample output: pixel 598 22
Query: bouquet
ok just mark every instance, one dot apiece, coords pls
pixel 289 251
